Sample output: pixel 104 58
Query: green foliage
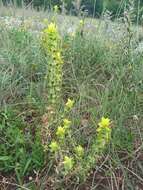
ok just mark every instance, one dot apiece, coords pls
pixel 20 150
pixel 94 7
pixel 112 5
pixel 21 52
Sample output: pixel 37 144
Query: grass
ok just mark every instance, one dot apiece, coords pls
pixel 104 77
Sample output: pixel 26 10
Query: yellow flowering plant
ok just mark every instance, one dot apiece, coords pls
pixel 98 145
pixel 68 163
pixel 54 147
pixel 74 159
pixel 50 43
pixel 81 22
pixel 79 150
pixel 60 132
pixel 105 122
pixel 80 28
pixel 70 155
pixel 104 131
pixel 66 123
pixel 51 47
pixel 69 104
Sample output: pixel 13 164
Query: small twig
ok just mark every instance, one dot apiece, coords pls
pixel 141 179
pixel 98 170
pixel 14 184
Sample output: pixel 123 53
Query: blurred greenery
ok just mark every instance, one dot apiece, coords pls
pixel 93 7
pixel 90 5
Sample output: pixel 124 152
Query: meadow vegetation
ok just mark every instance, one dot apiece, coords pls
pixel 71 102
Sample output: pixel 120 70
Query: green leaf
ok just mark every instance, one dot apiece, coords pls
pixel 4 158
pixel 1 126
pixel 26 166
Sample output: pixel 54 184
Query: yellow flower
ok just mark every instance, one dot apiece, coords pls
pixel 51 28
pixel 54 146
pixel 66 123
pixel 60 132
pixel 105 122
pixel 79 150
pixel 100 129
pixel 69 103
pixel 58 57
pixel 68 163
pixel 50 39
pixel 81 22
pixel 104 130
